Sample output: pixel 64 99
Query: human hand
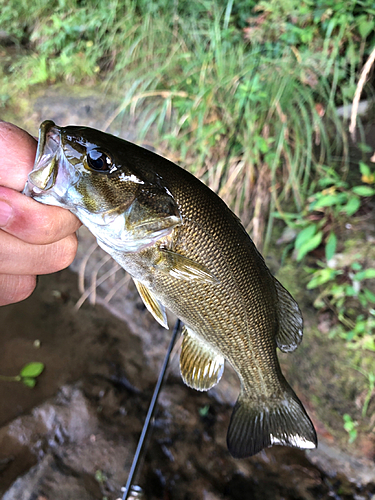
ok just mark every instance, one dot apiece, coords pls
pixel 34 238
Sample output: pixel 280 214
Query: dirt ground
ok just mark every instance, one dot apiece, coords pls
pixel 74 435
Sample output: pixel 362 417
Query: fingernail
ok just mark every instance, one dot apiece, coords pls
pixel 5 213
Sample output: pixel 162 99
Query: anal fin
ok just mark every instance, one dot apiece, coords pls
pixel 153 305
pixel 201 368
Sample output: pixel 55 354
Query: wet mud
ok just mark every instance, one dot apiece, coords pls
pixel 74 435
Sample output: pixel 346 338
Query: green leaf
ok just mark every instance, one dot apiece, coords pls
pixel 349 424
pixel 309 245
pixel 362 300
pixel 365 28
pixel 364 169
pixel 331 246
pixel 350 335
pixel 305 235
pixel 364 190
pixel 352 206
pixel 203 412
pixel 369 343
pixel 364 275
pixel 322 277
pixel 369 295
pixel 32 369
pixel 329 200
pixel 350 291
pixel 29 381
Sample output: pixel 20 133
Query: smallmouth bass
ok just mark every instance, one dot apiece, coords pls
pixel 187 252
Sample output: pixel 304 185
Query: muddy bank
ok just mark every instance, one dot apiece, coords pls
pixel 74 435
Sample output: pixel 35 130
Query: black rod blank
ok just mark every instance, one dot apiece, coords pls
pixel 150 413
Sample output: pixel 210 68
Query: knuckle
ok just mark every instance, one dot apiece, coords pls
pixel 49 228
pixel 66 250
pixel 51 224
pixel 26 287
pixel 71 243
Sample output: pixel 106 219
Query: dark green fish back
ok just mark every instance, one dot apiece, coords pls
pixel 244 316
pixel 188 252
pixel 238 315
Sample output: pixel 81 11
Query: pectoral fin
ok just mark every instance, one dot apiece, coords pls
pixel 201 368
pixel 154 306
pixel 182 267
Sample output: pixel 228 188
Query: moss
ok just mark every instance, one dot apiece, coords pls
pixel 323 372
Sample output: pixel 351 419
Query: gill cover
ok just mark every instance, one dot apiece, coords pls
pixel 75 169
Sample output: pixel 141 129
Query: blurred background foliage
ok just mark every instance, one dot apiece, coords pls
pixel 246 95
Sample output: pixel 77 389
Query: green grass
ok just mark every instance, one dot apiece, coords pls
pixel 243 94
pixel 237 101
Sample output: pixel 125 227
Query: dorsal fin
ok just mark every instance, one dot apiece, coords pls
pixel 154 306
pixel 201 367
pixel 289 334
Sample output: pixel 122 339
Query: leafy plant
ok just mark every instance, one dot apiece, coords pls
pixel 370 376
pixel 351 427
pixel 27 375
pixel 243 114
pixel 343 283
pixel 336 34
pixel 340 295
pixel 328 209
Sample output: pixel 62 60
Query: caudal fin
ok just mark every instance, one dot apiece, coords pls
pixel 284 422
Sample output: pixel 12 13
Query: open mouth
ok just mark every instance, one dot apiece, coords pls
pixel 44 173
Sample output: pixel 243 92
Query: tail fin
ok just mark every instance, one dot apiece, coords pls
pixel 254 427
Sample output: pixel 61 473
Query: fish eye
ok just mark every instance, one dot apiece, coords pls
pixel 99 160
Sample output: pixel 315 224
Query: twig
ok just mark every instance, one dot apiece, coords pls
pixel 91 291
pixel 122 282
pixel 365 71
pixel 82 267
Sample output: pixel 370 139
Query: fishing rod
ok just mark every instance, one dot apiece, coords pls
pixel 129 488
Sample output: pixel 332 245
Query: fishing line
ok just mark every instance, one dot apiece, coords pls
pixel 150 413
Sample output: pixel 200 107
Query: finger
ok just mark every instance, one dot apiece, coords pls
pixel 34 222
pixel 14 288
pixel 19 257
pixel 18 154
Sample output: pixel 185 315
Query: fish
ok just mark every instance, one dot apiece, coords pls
pixel 189 253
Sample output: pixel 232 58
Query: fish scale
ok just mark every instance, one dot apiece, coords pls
pixel 186 252
pixel 246 278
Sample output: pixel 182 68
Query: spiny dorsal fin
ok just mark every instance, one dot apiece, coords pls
pixel 154 306
pixel 182 267
pixel 201 368
pixel 289 335
pixel 257 425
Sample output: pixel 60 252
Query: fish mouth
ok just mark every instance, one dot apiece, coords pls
pixel 43 176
